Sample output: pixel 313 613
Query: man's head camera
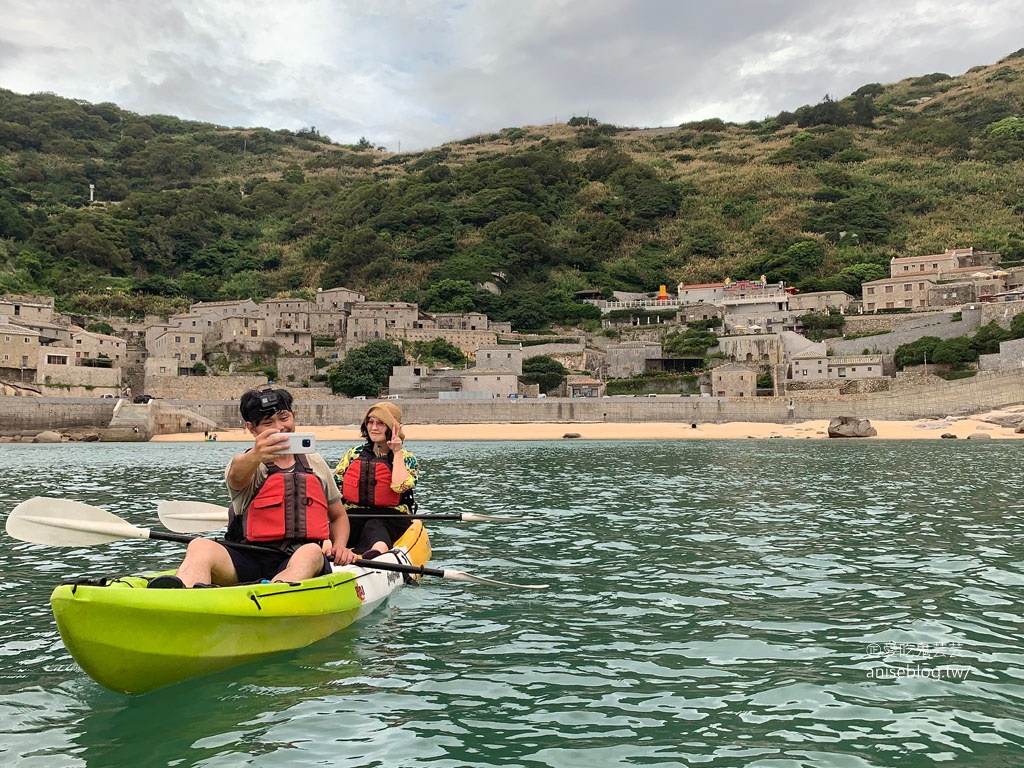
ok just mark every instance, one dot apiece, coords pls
pixel 271 403
pixel 257 405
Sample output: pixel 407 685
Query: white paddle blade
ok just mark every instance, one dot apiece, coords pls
pixel 191 516
pixel 463 576
pixel 61 522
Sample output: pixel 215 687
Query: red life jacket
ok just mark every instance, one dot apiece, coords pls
pixel 288 506
pixel 367 481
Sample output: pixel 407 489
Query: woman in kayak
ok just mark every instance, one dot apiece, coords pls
pixel 377 477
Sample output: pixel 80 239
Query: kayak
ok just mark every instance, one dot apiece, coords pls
pixel 131 639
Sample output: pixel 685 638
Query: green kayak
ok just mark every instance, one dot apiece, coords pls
pixel 131 639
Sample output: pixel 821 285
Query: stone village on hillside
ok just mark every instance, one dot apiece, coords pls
pixel 947 295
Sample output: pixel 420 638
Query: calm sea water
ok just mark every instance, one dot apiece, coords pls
pixel 768 603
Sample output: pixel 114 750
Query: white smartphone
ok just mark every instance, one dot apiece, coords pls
pixel 299 442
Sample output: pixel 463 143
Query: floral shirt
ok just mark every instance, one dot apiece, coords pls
pixel 353 453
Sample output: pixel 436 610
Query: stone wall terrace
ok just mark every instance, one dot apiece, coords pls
pixel 988 390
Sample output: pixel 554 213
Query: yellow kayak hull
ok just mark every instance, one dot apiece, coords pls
pixel 132 640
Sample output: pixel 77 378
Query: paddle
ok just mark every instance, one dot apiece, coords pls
pixel 201 516
pixel 61 522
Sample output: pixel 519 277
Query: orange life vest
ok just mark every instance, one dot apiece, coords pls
pixel 289 506
pixel 367 481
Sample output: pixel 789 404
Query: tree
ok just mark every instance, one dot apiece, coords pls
pixel 365 371
pixel 955 352
pixel 693 342
pixel 437 351
pixel 450 296
pixel 916 352
pixel 987 338
pixel 543 371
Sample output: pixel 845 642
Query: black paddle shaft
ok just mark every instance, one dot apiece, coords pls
pixel 375 564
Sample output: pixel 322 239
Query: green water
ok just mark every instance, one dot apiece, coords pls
pixel 777 604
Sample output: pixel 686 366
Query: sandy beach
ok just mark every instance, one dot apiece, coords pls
pixel 922 429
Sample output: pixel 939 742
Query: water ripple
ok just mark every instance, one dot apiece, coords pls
pixel 731 603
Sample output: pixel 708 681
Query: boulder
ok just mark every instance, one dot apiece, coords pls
pixel 980 436
pixel 1007 420
pixel 83 434
pixel 571 435
pixel 48 436
pixel 948 436
pixel 850 426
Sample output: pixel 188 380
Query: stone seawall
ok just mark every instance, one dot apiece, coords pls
pixel 22 414
pixel 986 391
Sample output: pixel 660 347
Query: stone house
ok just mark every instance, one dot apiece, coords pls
pixel 734 380
pixel 584 386
pixel 19 352
pixel 942 264
pixel 208 325
pixel 337 299
pixel 175 344
pixel 500 382
pixel 219 310
pixel 812 366
pixel 689 313
pixel 764 348
pixel 820 302
pixel 897 293
pixel 94 346
pixel 288 323
pixel 456 321
pixel 245 332
pixel 630 358
pixel 506 356
pixel 377 320
pixel 27 308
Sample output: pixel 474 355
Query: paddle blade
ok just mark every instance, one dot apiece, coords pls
pixel 191 516
pixel 463 576
pixel 61 522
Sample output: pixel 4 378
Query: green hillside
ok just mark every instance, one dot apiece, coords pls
pixel 821 197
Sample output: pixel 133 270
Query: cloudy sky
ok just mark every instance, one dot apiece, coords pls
pixel 411 74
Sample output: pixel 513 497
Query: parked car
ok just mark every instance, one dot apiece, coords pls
pixel 142 399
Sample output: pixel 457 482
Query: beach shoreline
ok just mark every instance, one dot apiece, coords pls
pixel 979 426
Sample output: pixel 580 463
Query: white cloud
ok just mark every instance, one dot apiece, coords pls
pixel 423 72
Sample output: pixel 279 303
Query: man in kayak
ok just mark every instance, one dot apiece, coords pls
pixel 289 504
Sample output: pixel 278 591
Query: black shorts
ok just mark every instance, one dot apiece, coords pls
pixel 251 565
